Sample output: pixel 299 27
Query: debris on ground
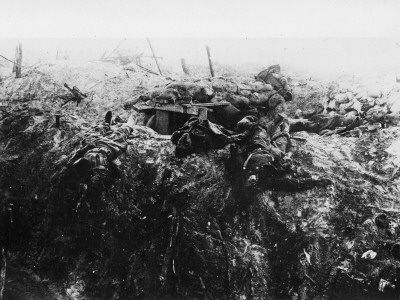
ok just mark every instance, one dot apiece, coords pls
pixel 189 227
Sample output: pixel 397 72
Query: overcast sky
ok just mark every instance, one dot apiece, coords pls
pixel 199 18
pixel 326 36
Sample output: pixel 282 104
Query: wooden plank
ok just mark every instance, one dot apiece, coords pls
pixel 190 110
pixel 162 122
pixel 211 104
pixel 203 113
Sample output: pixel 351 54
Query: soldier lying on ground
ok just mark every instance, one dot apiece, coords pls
pixel 325 124
pixel 179 93
pixel 202 135
pixel 263 144
pixel 263 160
pixel 383 115
pixel 101 147
pixel 266 147
pixel 262 156
pixel 276 131
pixel 273 76
pixel 228 116
pixel 377 114
pixel 89 171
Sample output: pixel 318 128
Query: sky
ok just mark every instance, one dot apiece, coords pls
pixel 199 18
pixel 322 36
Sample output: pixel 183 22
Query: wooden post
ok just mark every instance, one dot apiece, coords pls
pixel 19 63
pixel 15 60
pixel 154 56
pixel 209 61
pixel 184 67
pixel 162 121
pixel 203 113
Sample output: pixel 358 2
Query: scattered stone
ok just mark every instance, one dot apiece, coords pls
pixel 370 254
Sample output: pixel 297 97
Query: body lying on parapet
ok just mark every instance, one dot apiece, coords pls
pixel 202 135
pixel 328 124
pixel 273 76
pixel 92 164
pixel 260 147
pixel 325 124
pixel 242 97
pixel 89 170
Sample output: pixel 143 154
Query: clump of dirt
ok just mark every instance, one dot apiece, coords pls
pixel 185 228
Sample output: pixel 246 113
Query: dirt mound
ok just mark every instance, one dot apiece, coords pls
pixel 185 228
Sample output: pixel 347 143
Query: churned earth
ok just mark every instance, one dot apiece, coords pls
pixel 186 228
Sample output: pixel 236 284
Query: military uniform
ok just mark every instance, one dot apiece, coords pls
pixel 100 148
pixel 202 135
pixel 267 132
pixel 279 131
pixel 273 76
pixel 377 114
pixel 265 149
pixel 323 123
pixel 90 171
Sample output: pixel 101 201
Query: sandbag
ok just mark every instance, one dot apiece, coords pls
pixel 313 109
pixel 332 105
pixel 377 114
pixel 168 95
pixel 393 102
pixel 375 93
pixel 350 96
pixel 260 87
pixel 220 85
pixel 279 82
pixel 393 119
pixel 365 107
pixel 192 92
pixel 341 98
pixel 395 107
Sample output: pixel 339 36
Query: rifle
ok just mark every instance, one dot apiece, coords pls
pixel 76 95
